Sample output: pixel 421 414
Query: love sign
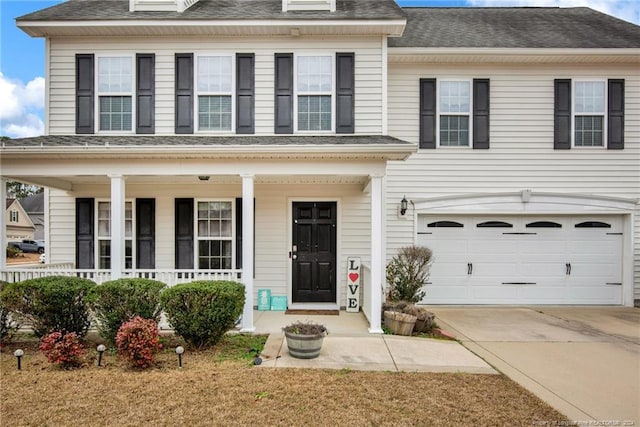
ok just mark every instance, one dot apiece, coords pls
pixel 353 285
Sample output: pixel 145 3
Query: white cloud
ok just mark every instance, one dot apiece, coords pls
pixel 629 10
pixel 21 107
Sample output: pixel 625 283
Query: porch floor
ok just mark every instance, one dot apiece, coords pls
pixel 272 322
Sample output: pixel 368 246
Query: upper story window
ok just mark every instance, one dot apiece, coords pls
pixel 314 77
pixel 115 93
pixel 13 216
pixel 454 102
pixel 214 86
pixel 589 113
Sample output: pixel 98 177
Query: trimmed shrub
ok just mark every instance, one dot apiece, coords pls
pixel 202 312
pixel 55 303
pixel 138 341
pixel 63 349
pixel 13 252
pixel 8 324
pixel 117 301
pixel 407 273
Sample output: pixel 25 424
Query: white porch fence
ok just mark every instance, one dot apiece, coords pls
pixel 169 276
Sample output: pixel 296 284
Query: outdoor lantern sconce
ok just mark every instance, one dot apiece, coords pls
pixel 403 205
pixel 179 351
pixel 18 354
pixel 101 349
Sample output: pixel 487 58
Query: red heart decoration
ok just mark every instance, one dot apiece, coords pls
pixel 353 276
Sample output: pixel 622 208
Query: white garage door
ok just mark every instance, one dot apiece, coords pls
pixel 523 259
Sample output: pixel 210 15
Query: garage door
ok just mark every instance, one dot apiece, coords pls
pixel 523 259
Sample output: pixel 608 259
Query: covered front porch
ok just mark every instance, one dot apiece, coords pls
pixel 180 220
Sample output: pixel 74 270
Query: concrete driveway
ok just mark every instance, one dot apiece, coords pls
pixel 583 361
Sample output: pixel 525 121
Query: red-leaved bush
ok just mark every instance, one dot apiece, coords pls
pixel 63 349
pixel 138 341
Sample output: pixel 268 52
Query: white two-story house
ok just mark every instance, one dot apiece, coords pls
pixel 274 141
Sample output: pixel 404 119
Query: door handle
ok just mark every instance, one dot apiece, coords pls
pixel 568 269
pixel 469 269
pixel 292 255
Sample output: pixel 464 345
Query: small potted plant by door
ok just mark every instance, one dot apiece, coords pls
pixel 304 340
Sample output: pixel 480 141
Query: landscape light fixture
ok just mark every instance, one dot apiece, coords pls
pixel 18 354
pixel 179 351
pixel 101 349
pixel 404 203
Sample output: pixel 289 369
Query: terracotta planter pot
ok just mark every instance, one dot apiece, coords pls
pixel 399 323
pixel 304 346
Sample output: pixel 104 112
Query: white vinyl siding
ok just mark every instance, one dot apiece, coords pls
pixel 368 74
pixel 521 154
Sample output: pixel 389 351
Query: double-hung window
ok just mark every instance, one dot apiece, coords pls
pixel 589 113
pixel 115 93
pixel 214 85
pixel 314 84
pixel 454 102
pixel 215 235
pixel 104 235
pixel 13 216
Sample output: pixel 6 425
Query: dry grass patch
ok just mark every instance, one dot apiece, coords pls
pixel 220 387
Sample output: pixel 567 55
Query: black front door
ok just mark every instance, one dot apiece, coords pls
pixel 314 252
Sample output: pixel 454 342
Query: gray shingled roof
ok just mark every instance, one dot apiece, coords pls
pixel 33 203
pixel 527 27
pixel 74 10
pixel 75 141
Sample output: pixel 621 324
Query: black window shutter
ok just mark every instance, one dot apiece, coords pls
pixel 145 92
pixel 184 233
pixel 562 114
pixel 481 100
pixel 239 232
pixel 245 93
pixel 145 233
pixel 84 93
pixel 184 93
pixel 84 233
pixel 345 93
pixel 284 93
pixel 427 113
pixel 615 125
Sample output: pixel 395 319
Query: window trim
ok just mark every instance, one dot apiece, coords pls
pixel 605 114
pixel 97 237
pixel 132 94
pixel 197 238
pixel 197 93
pixel 14 216
pixel 469 114
pixel 332 56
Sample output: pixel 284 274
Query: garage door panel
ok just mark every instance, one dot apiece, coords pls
pixel 551 260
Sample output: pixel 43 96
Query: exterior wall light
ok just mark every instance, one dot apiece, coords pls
pixel 404 203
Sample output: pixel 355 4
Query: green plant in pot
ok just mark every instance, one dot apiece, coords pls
pixel 304 339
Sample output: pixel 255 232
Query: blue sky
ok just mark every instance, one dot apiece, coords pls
pixel 22 57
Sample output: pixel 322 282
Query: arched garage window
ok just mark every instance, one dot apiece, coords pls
pixel 445 224
pixel 593 224
pixel 544 224
pixel 494 224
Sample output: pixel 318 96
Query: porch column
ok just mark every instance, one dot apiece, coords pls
pixel 3 224
pixel 375 326
pixel 247 251
pixel 117 226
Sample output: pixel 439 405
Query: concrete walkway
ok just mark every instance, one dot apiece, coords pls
pixel 379 353
pixel 583 361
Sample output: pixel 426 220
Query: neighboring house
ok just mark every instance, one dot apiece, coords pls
pixel 19 226
pixel 34 206
pixel 271 141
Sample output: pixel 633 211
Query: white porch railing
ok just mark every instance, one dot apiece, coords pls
pixel 365 280
pixel 170 277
